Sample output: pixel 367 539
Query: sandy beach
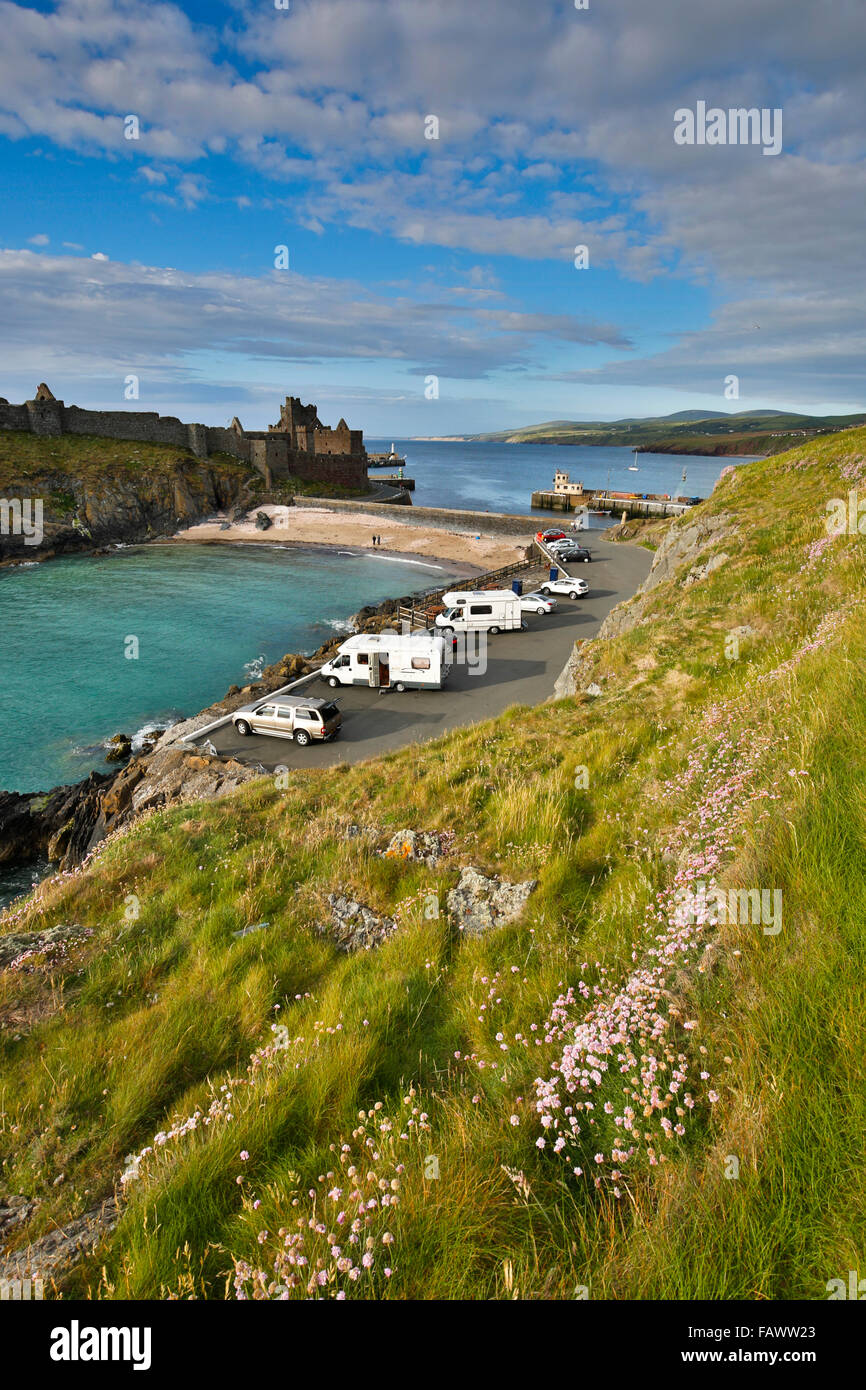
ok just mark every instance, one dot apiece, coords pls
pixel 318 526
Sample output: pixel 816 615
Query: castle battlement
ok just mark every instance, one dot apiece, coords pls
pixel 298 446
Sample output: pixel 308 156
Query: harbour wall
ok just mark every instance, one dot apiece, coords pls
pixel 500 523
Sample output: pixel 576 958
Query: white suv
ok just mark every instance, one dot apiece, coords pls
pixel 574 588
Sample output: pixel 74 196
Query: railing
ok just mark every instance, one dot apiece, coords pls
pixel 420 614
pixel 550 558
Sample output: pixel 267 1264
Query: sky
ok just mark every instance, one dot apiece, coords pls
pixel 376 205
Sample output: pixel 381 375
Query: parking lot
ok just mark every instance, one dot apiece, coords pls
pixel 521 668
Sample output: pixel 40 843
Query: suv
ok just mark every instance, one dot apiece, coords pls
pixel 290 716
pixel 575 588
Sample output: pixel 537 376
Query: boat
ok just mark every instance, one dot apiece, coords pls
pixel 632 468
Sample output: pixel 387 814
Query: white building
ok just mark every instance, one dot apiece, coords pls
pixel 561 484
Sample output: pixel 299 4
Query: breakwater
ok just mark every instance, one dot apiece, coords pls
pixel 496 523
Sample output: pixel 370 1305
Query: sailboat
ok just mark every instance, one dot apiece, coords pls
pixel 632 468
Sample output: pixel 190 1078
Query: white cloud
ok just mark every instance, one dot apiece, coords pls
pixel 530 99
pixel 102 318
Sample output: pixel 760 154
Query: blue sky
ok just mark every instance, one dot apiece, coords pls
pixel 409 257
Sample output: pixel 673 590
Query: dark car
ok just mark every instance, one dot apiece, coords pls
pixel 574 552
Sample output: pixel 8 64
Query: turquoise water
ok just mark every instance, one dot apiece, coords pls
pixel 206 617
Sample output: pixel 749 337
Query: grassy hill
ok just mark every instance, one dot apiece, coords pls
pixel 687 432
pixel 604 1095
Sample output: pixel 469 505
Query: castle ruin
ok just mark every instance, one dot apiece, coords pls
pixel 299 446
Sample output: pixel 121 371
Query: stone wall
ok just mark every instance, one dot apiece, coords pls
pixel 309 451
pixel 486 523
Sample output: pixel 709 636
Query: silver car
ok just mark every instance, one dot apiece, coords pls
pixel 290 716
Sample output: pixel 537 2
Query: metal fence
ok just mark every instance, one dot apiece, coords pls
pixel 422 610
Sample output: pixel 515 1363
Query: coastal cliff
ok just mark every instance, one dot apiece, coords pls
pixel 95 492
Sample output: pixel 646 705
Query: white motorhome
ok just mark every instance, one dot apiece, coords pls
pixel 488 610
pixel 391 661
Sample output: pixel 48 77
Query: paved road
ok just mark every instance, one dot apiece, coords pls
pixel 521 670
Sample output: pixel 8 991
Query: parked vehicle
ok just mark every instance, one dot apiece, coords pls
pixel 570 551
pixel 391 661
pixel 487 610
pixel 574 588
pixel 437 632
pixel 554 534
pixel 290 716
pixel 537 603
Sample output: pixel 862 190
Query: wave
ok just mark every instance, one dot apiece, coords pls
pixel 253 669
pixel 139 738
pixel 390 559
pixel 401 560
pixel 146 732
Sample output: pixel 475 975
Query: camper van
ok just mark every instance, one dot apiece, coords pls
pixel 391 661
pixel 488 610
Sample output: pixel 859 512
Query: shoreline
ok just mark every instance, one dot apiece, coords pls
pixel 432 562
pixel 464 551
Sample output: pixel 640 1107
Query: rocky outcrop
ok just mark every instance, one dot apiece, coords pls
pixel 416 846
pixel 34 823
pixel 119 748
pixel 68 823
pixel 54 1254
pixel 15 1211
pixel 684 543
pixel 83 511
pixel 479 903
pixel 354 927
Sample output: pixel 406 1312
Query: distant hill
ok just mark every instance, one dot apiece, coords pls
pixel 685 432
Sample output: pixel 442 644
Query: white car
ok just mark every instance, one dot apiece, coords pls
pixel 574 588
pixel 537 603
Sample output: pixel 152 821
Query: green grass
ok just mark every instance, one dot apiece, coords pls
pixel 23 455
pixel 148 1018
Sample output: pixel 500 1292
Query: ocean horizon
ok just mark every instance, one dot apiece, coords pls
pixel 502 477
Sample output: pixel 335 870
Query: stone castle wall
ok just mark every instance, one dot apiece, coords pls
pixel 310 451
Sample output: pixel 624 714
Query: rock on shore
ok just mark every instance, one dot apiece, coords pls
pixel 69 822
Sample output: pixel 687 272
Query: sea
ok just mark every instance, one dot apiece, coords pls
pixel 502 477
pixel 147 635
